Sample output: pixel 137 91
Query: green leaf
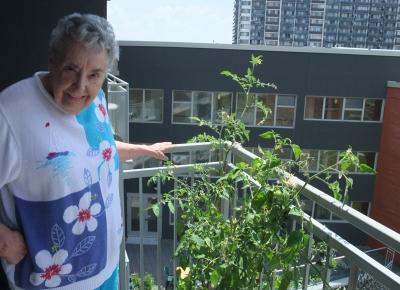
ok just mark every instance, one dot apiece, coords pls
pixel 199 242
pixel 226 73
pixel 156 209
pixel 335 188
pixel 296 212
pixel 295 238
pixel 268 135
pixel 256 60
pixel 214 278
pixel 345 164
pixel 366 168
pixel 171 207
pixel 241 165
pixel 285 281
pixel 296 151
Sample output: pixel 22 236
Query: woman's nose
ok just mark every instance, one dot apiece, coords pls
pixel 80 83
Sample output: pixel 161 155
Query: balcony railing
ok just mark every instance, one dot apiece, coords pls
pixel 358 266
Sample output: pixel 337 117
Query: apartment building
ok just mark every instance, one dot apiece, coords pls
pixel 326 101
pixel 318 23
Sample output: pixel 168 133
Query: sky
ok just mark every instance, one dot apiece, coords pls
pixel 204 21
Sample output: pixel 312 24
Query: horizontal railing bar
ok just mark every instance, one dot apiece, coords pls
pixel 355 255
pixel 177 169
pixel 366 224
pixel 113 78
pixel 189 147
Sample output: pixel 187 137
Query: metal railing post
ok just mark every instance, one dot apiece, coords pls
pixel 306 275
pixel 353 277
pixel 141 230
pixel 159 232
pixel 327 268
pixel 123 271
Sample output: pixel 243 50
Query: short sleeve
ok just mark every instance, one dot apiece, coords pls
pixel 10 157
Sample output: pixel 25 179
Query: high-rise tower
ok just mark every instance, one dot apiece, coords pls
pixel 319 23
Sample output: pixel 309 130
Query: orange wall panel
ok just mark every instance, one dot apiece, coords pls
pixel 386 201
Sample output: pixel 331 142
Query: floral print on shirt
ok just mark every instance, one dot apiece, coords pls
pixel 75 228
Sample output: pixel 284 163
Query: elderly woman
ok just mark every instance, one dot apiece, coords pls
pixel 61 223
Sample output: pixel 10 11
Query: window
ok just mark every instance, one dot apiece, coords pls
pixel 327 158
pixel 312 156
pixel 321 213
pixel 201 104
pixel 146 105
pixel 282 110
pixel 333 108
pixel 373 110
pixel 353 109
pixel 321 159
pixel 361 206
pixel 313 107
pixel 346 109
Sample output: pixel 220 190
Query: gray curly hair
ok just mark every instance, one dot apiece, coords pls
pixel 90 30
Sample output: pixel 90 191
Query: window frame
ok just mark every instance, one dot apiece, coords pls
pixel 192 92
pixel 143 106
pixel 320 153
pixel 254 123
pixel 343 110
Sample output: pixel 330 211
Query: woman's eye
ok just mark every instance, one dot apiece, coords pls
pixel 69 69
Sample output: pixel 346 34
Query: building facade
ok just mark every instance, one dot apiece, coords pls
pixel 326 101
pixel 318 23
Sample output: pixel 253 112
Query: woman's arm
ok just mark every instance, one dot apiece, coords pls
pixel 128 151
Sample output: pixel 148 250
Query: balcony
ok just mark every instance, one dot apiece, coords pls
pixel 150 244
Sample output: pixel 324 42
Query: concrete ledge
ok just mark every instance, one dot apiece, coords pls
pixel 393 84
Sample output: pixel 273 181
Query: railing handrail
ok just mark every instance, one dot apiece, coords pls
pixel 113 80
pixel 366 224
pixel 373 228
pixel 355 255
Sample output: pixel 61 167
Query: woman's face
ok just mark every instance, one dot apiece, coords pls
pixel 76 77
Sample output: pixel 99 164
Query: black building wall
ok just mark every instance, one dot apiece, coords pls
pixel 26 26
pixel 301 72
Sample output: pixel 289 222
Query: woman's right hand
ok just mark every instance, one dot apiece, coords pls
pixel 12 245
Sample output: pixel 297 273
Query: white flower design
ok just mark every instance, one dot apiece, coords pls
pixel 83 214
pixel 100 110
pixel 107 153
pixel 52 267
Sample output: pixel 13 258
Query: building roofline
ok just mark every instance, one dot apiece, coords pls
pixel 305 49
